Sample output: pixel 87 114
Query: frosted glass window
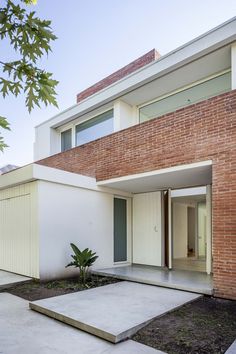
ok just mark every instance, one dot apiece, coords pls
pixel 66 140
pixel 199 92
pixel 95 128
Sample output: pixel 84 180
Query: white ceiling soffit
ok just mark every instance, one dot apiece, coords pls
pixel 192 175
pixel 197 191
pixel 207 43
pixel 197 70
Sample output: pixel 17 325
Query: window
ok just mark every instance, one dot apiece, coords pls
pixel 199 92
pixel 95 128
pixel 66 140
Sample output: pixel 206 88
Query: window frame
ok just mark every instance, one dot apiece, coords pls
pixel 71 134
pixel 183 88
pixel 89 123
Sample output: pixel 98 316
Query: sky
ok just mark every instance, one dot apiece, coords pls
pixel 95 38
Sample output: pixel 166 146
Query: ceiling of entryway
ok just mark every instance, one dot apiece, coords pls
pixel 191 175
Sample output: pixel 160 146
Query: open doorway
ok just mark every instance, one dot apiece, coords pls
pixel 189 230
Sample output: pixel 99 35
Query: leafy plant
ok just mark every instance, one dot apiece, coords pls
pixel 82 260
pixel 30 38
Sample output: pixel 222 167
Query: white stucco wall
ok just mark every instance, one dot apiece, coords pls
pixel 47 141
pixel 69 214
pixel 125 115
pixel 42 142
pixel 233 66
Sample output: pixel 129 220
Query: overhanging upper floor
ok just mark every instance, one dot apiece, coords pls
pixel 204 59
pixel 200 132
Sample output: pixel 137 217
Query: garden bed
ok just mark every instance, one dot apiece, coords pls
pixel 205 326
pixel 36 290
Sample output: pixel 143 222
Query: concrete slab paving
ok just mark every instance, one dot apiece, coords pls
pixel 7 279
pixel 232 348
pixel 28 332
pixel 113 312
pixel 198 282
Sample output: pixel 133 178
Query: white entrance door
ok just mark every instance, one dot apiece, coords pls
pixel 147 229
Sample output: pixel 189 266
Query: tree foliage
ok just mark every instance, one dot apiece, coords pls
pixel 30 38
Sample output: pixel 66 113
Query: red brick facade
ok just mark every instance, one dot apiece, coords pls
pixel 119 74
pixel 203 131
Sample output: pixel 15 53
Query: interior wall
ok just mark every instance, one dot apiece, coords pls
pixel 191 228
pixel 202 229
pixel 180 230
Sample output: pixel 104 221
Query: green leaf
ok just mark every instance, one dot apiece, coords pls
pixel 30 37
pixel 82 260
pixel 30 2
pixel 4 123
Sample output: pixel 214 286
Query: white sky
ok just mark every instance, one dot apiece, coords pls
pixel 97 37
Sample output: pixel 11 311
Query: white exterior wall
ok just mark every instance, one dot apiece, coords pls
pixel 125 115
pixel 69 214
pixel 233 66
pixel 42 142
pixel 47 142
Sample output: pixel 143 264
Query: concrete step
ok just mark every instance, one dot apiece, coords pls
pixel 113 312
pixel 195 282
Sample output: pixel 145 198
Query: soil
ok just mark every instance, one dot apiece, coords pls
pixel 36 290
pixel 205 326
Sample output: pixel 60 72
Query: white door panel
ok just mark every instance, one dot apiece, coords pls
pixel 18 230
pixel 147 229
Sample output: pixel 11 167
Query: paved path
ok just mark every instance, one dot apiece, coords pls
pixel 28 332
pixel 232 348
pixel 113 312
pixel 197 282
pixel 7 279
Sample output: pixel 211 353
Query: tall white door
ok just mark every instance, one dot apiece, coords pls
pixel 19 249
pixel 147 229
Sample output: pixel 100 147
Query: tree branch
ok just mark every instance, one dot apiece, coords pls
pixel 17 70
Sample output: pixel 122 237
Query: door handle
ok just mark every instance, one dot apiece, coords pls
pixel 155 228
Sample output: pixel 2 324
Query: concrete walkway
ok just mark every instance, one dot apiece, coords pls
pixel 198 282
pixel 232 348
pixel 113 312
pixel 28 332
pixel 7 279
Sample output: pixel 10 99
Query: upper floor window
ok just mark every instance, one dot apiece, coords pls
pixel 95 128
pixel 196 93
pixel 66 142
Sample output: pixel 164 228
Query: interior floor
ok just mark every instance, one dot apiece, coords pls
pixel 189 220
pixel 190 263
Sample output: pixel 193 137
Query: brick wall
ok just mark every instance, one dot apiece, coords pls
pixel 206 130
pixel 119 74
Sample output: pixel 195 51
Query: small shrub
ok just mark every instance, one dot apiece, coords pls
pixel 82 260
